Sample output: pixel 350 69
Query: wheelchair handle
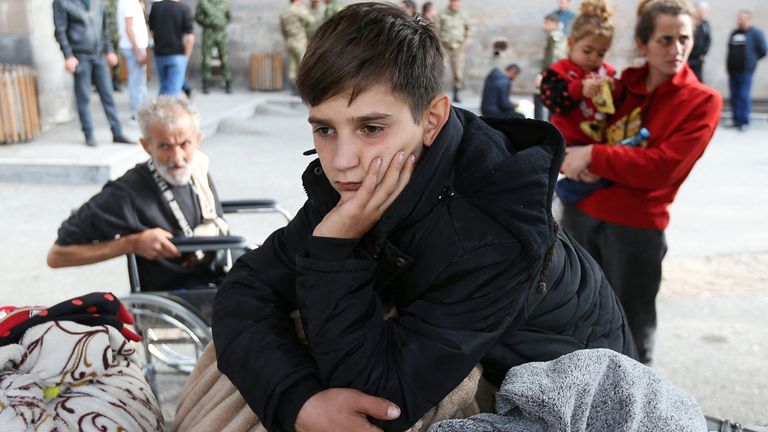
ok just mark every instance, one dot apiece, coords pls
pixel 208 244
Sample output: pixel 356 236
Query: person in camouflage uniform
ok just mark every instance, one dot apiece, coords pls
pixel 114 36
pixel 454 34
pixel 295 24
pixel 317 11
pixel 214 16
pixel 331 7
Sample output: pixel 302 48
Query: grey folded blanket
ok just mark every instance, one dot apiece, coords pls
pixel 587 390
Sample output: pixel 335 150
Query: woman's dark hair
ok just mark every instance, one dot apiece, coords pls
pixel 648 10
pixel 367 44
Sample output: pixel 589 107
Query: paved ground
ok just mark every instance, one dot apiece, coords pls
pixel 713 325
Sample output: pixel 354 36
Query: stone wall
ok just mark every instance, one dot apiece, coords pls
pixel 255 29
pixel 26 37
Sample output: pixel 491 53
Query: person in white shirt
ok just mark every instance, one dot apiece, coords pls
pixel 134 39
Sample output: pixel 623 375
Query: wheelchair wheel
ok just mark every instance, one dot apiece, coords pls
pixel 174 336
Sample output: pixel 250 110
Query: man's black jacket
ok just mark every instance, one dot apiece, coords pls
pixel 468 253
pixel 80 30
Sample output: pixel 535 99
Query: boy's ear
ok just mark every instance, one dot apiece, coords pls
pixel 436 117
pixel 570 43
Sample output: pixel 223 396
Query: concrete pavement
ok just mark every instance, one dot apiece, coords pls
pixel 713 326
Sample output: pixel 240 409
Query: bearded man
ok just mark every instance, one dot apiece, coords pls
pixel 170 195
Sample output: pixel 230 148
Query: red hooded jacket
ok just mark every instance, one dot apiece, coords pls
pixel 577 117
pixel 681 115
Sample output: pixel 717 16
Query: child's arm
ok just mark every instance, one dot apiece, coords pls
pixel 558 95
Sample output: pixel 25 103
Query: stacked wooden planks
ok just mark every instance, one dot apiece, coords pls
pixel 267 71
pixel 19 114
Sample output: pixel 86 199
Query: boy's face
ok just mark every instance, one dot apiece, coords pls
pixel 550 25
pixel 348 137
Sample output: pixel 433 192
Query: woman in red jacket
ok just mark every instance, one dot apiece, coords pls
pixel 622 226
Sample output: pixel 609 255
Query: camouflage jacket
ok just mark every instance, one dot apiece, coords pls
pixel 318 17
pixel 295 23
pixel 454 28
pixel 556 49
pixel 331 9
pixel 213 14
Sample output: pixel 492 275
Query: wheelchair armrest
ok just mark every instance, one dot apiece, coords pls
pixel 207 244
pixel 266 205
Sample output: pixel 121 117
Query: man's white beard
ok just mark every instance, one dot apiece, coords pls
pixel 176 178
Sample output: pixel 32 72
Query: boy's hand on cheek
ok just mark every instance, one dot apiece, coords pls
pixel 352 218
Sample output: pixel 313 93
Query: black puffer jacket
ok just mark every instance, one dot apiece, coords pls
pixel 468 253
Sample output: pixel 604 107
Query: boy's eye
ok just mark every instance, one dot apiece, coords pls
pixel 323 131
pixel 372 129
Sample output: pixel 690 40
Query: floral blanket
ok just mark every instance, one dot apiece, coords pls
pixel 65 376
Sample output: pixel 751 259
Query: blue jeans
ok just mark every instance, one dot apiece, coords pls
pixel 137 79
pixel 171 70
pixel 93 70
pixel 741 103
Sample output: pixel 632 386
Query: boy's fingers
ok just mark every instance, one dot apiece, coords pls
pixel 389 183
pixel 402 181
pixel 368 186
pixel 377 407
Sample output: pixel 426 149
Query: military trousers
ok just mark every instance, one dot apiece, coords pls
pixel 215 40
pixel 456 60
pixel 295 54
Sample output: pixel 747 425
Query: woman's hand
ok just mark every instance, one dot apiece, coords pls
pixel 577 159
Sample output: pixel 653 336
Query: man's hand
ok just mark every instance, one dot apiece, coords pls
pixel 343 410
pixel 577 159
pixel 153 244
pixel 141 56
pixel 352 218
pixel 111 59
pixel 70 64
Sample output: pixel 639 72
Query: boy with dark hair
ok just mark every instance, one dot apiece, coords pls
pixel 416 205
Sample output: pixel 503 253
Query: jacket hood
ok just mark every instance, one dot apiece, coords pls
pixel 633 80
pixel 506 167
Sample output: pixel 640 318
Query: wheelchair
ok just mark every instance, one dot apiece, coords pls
pixel 175 325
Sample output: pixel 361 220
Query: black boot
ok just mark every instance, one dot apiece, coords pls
pixel 456 97
pixel 206 86
pixel 228 84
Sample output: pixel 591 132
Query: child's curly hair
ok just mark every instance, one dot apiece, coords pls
pixel 593 20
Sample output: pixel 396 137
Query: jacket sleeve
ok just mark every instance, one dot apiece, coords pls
pixel 503 94
pixel 201 13
pixel 106 40
pixel 667 163
pixel 417 358
pixel 60 23
pixel 760 45
pixel 256 343
pixel 707 40
pixel 557 93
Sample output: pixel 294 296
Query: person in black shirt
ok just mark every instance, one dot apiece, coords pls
pixel 702 39
pixel 170 22
pixel 132 216
pixel 746 46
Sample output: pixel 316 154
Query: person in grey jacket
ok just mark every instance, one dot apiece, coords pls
pixel 82 33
